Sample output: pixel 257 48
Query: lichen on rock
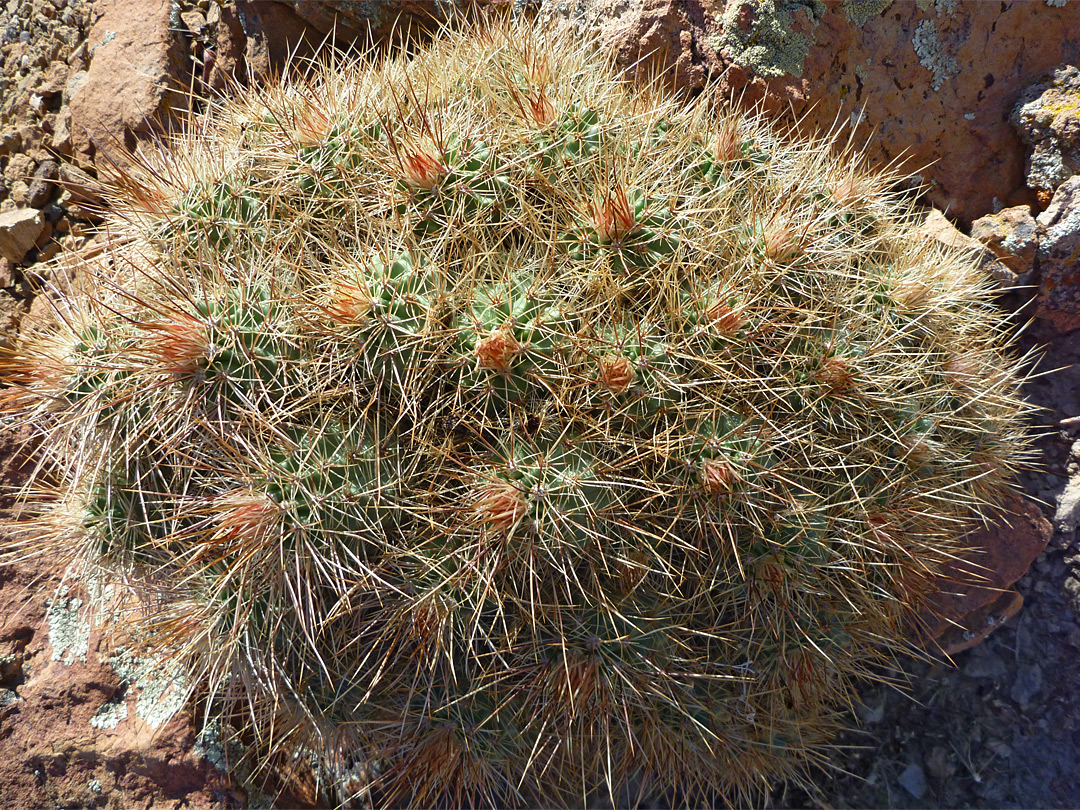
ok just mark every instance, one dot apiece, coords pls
pixel 69 631
pixel 110 714
pixel 932 55
pixel 160 687
pixel 767 35
pixel 1047 117
pixel 859 12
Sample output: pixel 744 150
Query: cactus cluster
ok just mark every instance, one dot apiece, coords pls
pixel 525 434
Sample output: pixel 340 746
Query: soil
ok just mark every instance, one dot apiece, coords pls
pixel 998 726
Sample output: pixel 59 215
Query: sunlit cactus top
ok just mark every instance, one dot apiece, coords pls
pixel 524 434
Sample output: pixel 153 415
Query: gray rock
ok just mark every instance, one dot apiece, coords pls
pixel 984 664
pixel 938 763
pixel 19 229
pixel 1029 680
pixel 8 699
pixel 873 710
pixel 43 185
pixel 1072 588
pixel 913 780
pixel 1067 513
pixel 1048 118
pixel 1059 247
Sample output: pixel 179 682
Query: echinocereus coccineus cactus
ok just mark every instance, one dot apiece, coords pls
pixel 524 434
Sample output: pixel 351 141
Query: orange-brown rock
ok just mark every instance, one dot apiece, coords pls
pixel 974 597
pixel 1012 236
pixel 378 22
pixel 929 83
pixel 937 227
pixel 53 683
pixel 257 37
pixel 136 78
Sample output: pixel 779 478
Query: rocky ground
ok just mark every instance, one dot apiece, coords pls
pixel 998 726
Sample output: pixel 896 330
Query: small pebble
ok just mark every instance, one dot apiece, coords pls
pixel 986 665
pixel 1072 587
pixel 873 711
pixel 913 780
pixel 1029 678
pixel 937 763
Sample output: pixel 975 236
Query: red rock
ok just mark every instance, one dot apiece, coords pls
pixel 930 83
pixel 56 675
pixel 226 60
pixel 938 227
pixel 273 31
pixel 378 22
pixel 136 77
pixel 974 597
pixel 19 229
pixel 257 37
pixel 50 755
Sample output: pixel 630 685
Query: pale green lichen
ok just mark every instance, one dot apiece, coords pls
pixel 101 595
pixel 859 11
pixel 110 715
pixel 69 631
pixel 932 55
pixel 160 686
pixel 220 746
pixel 942 7
pixel 770 45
